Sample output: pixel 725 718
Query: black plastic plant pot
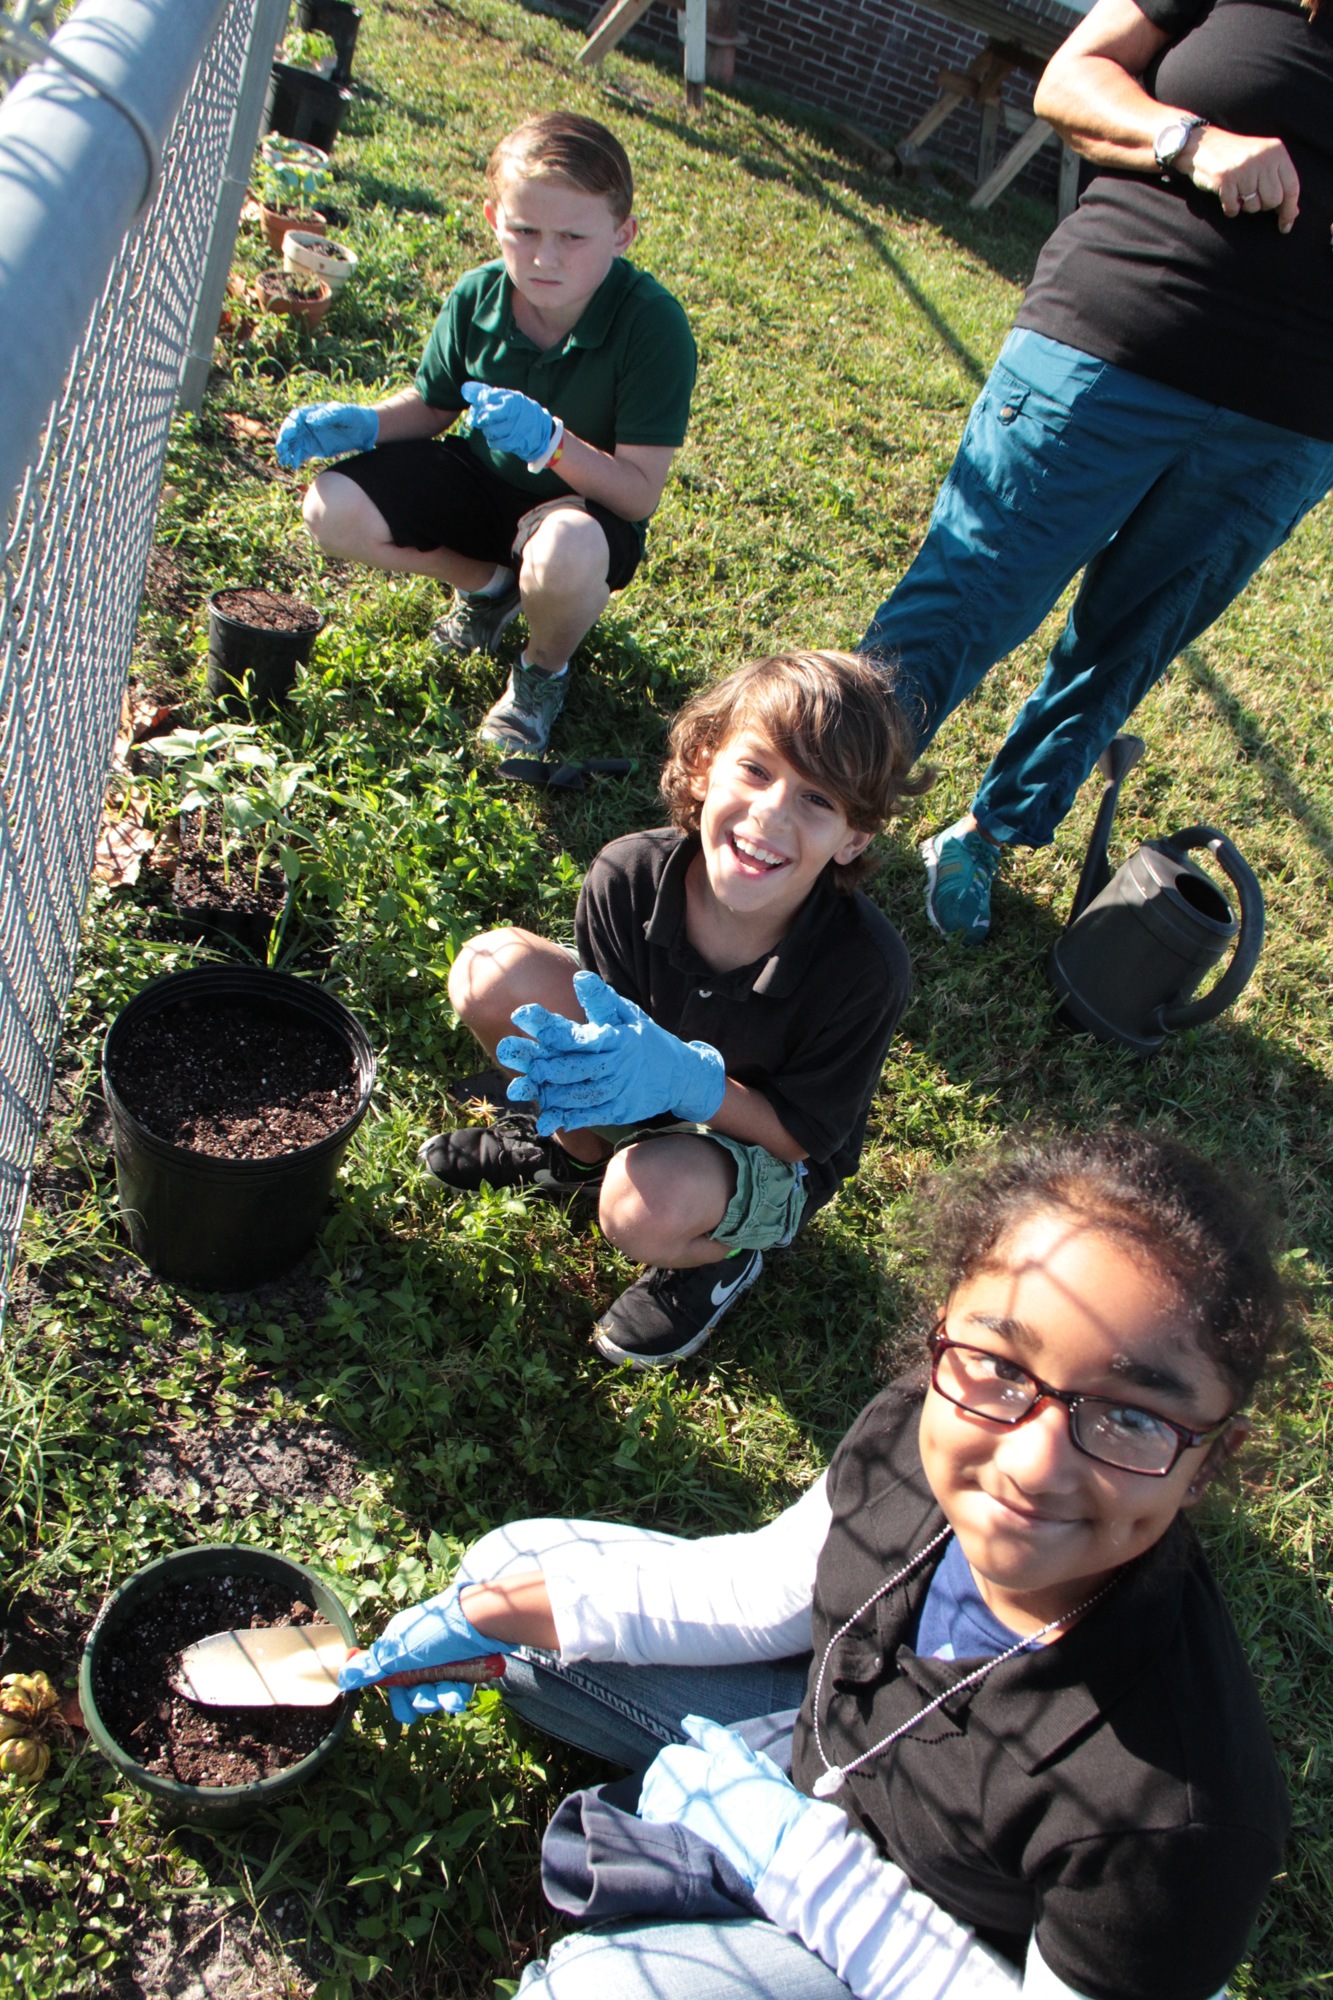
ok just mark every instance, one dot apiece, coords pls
pixel 227 1225
pixel 302 105
pixel 207 1805
pixel 337 19
pixel 238 647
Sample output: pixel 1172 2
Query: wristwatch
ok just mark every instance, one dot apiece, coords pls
pixel 1173 138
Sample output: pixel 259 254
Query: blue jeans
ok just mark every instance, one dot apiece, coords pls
pixel 1171 503
pixel 626 1714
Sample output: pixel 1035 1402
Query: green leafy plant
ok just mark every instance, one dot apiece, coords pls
pixel 310 51
pixel 286 176
pixel 253 788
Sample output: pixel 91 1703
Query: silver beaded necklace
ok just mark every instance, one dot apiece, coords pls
pixel 833 1775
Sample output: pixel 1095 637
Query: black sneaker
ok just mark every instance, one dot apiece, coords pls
pixel 509 1153
pixel 670 1314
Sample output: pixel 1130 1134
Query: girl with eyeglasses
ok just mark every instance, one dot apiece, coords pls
pixel 970 1719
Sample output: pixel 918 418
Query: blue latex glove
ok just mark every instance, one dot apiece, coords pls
pixel 616 1068
pixel 429 1634
pixel 509 420
pixel 733 1797
pixel 325 430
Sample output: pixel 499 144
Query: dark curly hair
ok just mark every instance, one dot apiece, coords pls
pixel 1177 1213
pixel 833 715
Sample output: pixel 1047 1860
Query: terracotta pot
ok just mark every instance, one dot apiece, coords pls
pixel 273 295
pixel 277 222
pixel 316 257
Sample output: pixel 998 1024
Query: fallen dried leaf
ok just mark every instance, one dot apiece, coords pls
pixel 121 847
pixel 248 427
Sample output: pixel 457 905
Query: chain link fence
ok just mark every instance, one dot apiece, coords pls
pixel 79 514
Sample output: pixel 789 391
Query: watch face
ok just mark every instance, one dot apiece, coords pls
pixel 1172 140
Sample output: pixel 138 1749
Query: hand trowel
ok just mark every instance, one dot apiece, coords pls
pixel 294 1666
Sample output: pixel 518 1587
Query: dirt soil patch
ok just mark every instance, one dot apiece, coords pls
pixel 167 584
pixel 236 1080
pixel 290 1463
pixel 267 610
pixel 176 1738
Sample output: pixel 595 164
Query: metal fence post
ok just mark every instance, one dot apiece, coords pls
pixel 270 18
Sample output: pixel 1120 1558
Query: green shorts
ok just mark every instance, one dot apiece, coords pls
pixel 766 1210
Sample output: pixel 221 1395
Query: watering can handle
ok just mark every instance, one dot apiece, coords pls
pixel 1250 941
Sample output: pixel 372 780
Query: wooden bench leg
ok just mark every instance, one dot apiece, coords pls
pixel 1013 163
pixel 611 24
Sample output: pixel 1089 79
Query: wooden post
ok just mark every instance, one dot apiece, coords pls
pixel 611 24
pixel 1067 197
pixel 696 52
pixel 1013 163
pixel 990 132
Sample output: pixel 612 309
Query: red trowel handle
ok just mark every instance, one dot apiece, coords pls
pixel 488 1668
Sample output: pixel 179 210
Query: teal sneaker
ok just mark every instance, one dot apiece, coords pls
pixel 474 624
pixel 523 716
pixel 960 867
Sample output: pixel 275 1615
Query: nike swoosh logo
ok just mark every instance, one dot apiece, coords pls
pixel 721 1293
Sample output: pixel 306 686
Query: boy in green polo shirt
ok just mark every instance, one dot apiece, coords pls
pixel 577 369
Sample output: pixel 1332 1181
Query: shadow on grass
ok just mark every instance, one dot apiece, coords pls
pixel 828 164
pixel 1286 1633
pixel 1263 752
pixel 986 1022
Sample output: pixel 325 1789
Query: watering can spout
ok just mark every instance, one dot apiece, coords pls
pixel 1115 763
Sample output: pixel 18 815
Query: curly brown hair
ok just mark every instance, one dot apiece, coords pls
pixel 833 715
pixel 1196 1224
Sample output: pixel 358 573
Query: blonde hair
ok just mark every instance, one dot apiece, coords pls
pixel 562 146
pixel 833 715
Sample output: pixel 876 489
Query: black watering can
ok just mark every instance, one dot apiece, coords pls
pixel 1138 943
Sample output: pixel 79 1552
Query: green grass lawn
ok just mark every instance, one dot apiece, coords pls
pixel 428 1372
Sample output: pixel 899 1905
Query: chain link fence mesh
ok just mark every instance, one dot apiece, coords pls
pixel 73 560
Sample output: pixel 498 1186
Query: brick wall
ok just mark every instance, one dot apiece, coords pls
pixel 875 62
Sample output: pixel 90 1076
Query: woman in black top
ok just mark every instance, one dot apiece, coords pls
pixel 1162 412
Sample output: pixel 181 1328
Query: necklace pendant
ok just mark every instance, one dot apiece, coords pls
pixel 831 1782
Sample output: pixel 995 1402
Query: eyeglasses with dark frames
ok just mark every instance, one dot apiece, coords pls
pixel 1119 1434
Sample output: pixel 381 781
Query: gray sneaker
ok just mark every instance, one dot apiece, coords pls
pixel 474 624
pixel 523 716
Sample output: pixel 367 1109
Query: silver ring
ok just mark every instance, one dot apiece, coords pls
pixel 1254 195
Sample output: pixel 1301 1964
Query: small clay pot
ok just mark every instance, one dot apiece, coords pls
pixel 277 222
pixel 311 256
pixel 273 291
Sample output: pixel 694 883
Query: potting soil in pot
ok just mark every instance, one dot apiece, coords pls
pixel 235 1080
pixel 217 898
pixel 184 1740
pixel 269 610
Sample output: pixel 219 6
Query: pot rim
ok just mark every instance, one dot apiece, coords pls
pixel 211 1796
pixel 284 277
pixel 154 999
pixel 229 618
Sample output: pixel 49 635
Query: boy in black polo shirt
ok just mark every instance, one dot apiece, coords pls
pixel 710 1070
pixel 578 370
